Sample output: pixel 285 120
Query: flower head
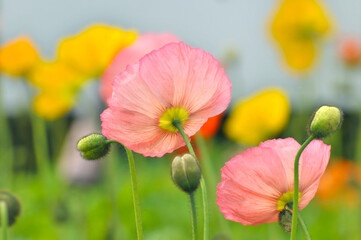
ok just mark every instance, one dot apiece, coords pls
pixel 173 83
pixel 18 57
pixel 130 55
pixel 259 117
pixel 298 27
pixel 258 184
pixel 91 51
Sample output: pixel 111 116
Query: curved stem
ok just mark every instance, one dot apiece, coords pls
pixel 178 125
pixel 296 187
pixel 133 178
pixel 4 220
pixel 304 228
pixel 194 216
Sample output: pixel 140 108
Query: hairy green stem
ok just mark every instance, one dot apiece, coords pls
pixel 194 216
pixel 133 178
pixel 4 220
pixel 178 125
pixel 296 187
pixel 304 228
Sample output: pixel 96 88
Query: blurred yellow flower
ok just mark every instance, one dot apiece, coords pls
pixel 259 117
pixel 18 56
pixel 91 51
pixel 299 26
pixel 58 85
pixel 52 106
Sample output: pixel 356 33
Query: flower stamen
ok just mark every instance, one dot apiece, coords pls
pixel 170 115
pixel 285 199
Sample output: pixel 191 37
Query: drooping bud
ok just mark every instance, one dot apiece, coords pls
pixel 93 146
pixel 186 173
pixel 285 220
pixel 12 205
pixel 326 121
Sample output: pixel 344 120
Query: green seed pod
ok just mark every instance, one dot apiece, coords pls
pixel 326 121
pixel 93 146
pixel 12 205
pixel 186 173
pixel 285 220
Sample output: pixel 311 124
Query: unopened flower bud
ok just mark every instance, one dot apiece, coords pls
pixel 12 205
pixel 93 146
pixel 285 220
pixel 326 121
pixel 186 173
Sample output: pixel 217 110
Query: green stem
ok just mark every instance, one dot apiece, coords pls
pixel 133 178
pixel 4 220
pixel 6 144
pixel 112 175
pixel 296 187
pixel 304 228
pixel 41 147
pixel 194 216
pixel 211 179
pixel 178 125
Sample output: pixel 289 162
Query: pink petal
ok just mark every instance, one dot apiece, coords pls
pixel 165 142
pixel 133 110
pixel 130 55
pixel 245 207
pixel 286 150
pixel 258 170
pixel 313 163
pixel 182 76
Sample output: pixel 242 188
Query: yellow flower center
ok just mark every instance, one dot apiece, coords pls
pixel 285 199
pixel 172 114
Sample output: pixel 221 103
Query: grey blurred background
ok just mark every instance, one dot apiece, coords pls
pixel 217 26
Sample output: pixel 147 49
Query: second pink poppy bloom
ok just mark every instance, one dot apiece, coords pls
pixel 258 184
pixel 173 82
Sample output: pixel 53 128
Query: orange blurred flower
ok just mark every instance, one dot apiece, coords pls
pixel 18 57
pixel 92 50
pixel 341 181
pixel 210 128
pixel 299 26
pixel 350 50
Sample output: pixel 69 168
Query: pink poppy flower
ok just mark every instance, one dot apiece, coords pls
pixel 173 82
pixel 258 184
pixel 130 55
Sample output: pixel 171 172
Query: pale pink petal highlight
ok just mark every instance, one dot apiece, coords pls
pixel 286 150
pixel 181 76
pixel 254 171
pixel 130 55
